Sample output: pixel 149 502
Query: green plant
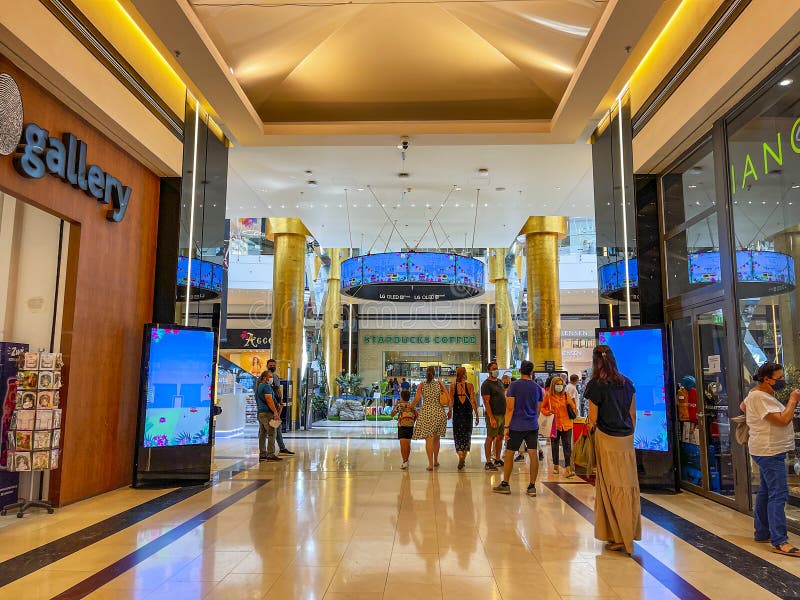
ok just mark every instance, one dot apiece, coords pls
pixel 349 382
pixel 319 403
pixel 792 375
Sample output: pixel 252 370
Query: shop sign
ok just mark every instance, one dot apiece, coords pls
pixel 248 339
pixel 456 340
pixel 748 174
pixel 577 333
pixel 39 154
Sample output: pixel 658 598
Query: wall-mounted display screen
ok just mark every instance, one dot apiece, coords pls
pixel 612 276
pixel 431 268
pixel 391 267
pixel 641 356
pixel 752 266
pixel 205 275
pixel 178 386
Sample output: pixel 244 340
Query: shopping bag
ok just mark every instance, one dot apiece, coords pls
pixel 583 453
pixel 546 424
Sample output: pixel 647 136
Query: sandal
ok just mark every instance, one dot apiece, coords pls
pixel 429 468
pixel 461 464
pixel 791 551
pixel 614 547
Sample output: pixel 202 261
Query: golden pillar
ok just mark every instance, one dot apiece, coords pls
pixel 504 323
pixel 332 320
pixel 542 235
pixel 288 305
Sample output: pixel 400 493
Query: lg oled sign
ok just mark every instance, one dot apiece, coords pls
pixel 37 153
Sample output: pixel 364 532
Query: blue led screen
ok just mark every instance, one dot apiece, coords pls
pixel 612 276
pixel 431 268
pixel 205 275
pixel 412 267
pixel 752 266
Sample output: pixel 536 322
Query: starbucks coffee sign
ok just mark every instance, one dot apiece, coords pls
pixel 427 340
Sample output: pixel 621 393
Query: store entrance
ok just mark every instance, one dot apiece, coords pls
pixel 708 461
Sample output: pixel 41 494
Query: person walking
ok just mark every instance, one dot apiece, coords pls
pixel 463 409
pixel 407 415
pixel 494 403
pixel 267 411
pixel 771 437
pixel 612 417
pixel 522 418
pixel 277 389
pixel 432 422
pixel 556 403
pixel 572 388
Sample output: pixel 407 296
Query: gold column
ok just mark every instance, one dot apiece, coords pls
pixel 332 320
pixel 504 331
pixel 542 235
pixel 288 305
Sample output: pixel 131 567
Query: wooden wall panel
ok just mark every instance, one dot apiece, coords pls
pixel 109 297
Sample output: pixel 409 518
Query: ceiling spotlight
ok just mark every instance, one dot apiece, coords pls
pixel 404 144
pixel 269 206
pixel 359 189
pixel 403 175
pixel 456 205
pixel 693 186
pixel 502 189
pixel 457 188
pixel 308 173
pixel 785 82
pixel 483 172
pixel 795 186
pixel 485 204
pixel 558 187
pixel 312 183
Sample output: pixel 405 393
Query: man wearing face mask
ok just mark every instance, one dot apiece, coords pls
pixel 275 382
pixel 494 403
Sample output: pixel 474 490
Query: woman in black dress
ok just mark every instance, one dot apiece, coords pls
pixel 462 409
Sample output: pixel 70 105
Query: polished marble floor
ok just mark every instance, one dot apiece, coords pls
pixel 342 521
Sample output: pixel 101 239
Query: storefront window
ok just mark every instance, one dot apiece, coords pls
pixel 764 172
pixel 690 225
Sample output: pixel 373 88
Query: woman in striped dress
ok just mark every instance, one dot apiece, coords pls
pixel 432 421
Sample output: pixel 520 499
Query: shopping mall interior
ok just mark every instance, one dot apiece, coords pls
pixel 361 193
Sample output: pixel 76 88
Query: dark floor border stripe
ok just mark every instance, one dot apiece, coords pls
pixel 758 570
pixel 102 577
pixel 666 576
pixel 46 554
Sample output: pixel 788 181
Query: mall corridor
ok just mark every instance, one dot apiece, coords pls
pixel 340 521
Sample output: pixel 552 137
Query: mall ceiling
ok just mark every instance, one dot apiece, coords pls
pixel 281 72
pixel 519 181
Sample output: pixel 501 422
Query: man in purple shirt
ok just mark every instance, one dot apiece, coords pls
pixel 522 425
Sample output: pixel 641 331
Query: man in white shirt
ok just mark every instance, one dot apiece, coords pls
pixel 572 389
pixel 771 437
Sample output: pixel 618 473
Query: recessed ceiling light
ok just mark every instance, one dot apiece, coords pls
pixel 297 206
pixel 785 82
pixel 427 206
pixel 456 205
pixel 691 187
pixel 355 205
pixel 499 189
pixel 558 187
pixel 483 172
pixel 369 205
pixel 795 186
pixel 326 206
pixel 413 206
pixel 485 204
pixel 359 189
pixel 312 183
pixel 403 175
pixel 269 206
pixel 241 208
pixel 308 173
pixel 340 206
pixel 457 188
pixel 283 206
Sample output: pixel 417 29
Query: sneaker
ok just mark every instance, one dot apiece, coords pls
pixel 404 466
pixel 490 466
pixel 520 458
pixel 503 488
pixel 262 457
pixel 499 463
pixel 531 490
pixel 286 451
pixel 273 458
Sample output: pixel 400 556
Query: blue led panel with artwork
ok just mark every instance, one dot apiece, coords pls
pixel 432 268
pixel 179 386
pixel 612 275
pixel 205 275
pixel 391 267
pixel 752 266
pixel 352 272
pixel 641 357
pixel 469 271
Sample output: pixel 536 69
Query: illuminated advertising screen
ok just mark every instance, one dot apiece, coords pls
pixel 752 266
pixel 704 267
pixel 640 354
pixel 205 275
pixel 391 267
pixel 469 271
pixel 612 276
pixel 178 386
pixel 352 272
pixel 431 268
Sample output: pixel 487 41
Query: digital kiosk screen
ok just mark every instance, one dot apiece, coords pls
pixel 178 386
pixel 640 355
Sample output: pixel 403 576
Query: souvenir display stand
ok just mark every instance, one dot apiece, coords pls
pixel 34 435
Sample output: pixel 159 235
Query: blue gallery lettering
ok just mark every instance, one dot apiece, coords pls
pixel 38 154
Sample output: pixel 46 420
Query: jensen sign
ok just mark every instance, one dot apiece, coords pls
pixel 39 154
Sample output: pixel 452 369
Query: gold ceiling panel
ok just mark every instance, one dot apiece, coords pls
pixel 400 60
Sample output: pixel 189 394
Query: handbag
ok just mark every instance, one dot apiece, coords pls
pixel 583 454
pixel 742 432
pixel 444 397
pixel 571 412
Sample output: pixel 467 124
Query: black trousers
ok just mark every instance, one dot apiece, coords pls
pixel 565 437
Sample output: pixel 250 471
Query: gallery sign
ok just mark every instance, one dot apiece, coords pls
pixel 37 153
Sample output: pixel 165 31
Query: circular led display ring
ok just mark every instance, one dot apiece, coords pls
pixel 11 116
pixel 412 277
pixel 759 273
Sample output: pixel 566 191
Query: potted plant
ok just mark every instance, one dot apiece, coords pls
pixel 348 383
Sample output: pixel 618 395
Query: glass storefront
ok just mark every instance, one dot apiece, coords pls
pixel 764 150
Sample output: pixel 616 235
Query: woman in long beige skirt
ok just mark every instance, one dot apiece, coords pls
pixel 612 415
